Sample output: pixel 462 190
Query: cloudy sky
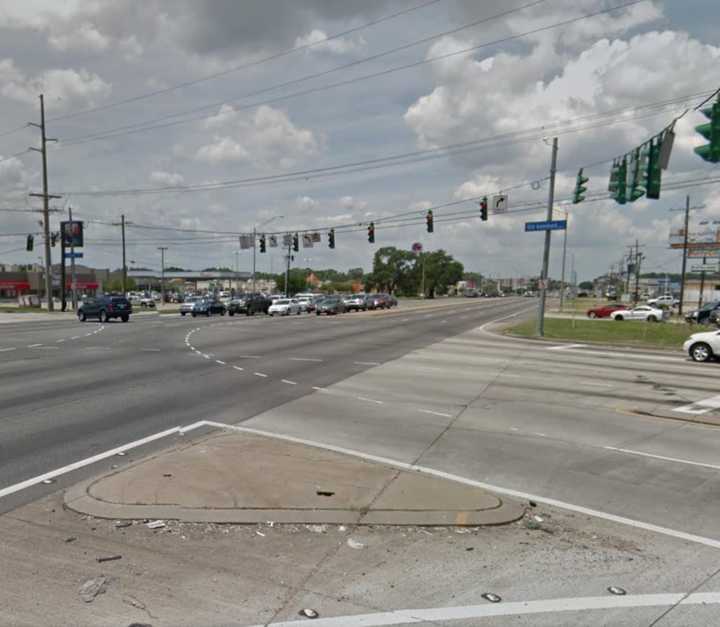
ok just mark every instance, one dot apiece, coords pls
pixel 191 94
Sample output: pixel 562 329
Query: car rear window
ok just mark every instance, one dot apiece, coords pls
pixel 119 301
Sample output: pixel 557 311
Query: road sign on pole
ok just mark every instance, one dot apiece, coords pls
pixel 546 225
pixel 73 255
pixel 706 267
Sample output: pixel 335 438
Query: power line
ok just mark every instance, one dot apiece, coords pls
pixel 244 66
pixel 407 158
pixel 17 154
pixel 151 124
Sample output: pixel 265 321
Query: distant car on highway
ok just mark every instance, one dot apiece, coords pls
pixel 332 305
pixel 284 307
pixel 604 311
pixel 207 307
pixel 355 302
pixel 663 301
pixel 702 315
pixel 391 300
pixel 147 302
pixel 644 312
pixel 187 306
pixel 376 301
pixel 703 346
pixel 105 308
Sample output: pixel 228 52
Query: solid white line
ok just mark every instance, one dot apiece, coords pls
pixel 587 511
pixel 248 356
pixel 85 462
pixel 259 374
pixel 366 363
pixel 206 356
pixel 516 608
pixel 434 413
pixel 5 350
pixel 565 347
pixel 238 368
pixel 75 337
pixel 34 345
pixel 304 359
pixel 289 382
pixel 369 400
pixel 59 341
pixel 663 457
pixel 217 361
pixel 315 387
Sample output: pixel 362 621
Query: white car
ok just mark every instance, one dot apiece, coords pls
pixel 644 312
pixel 663 301
pixel 284 307
pixel 703 346
pixel 187 306
pixel 306 304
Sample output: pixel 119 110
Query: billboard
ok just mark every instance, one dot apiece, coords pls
pixel 72 233
pixel 707 237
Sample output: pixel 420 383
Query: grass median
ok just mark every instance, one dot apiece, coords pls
pixel 650 335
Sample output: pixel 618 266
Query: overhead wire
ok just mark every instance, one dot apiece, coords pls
pixel 153 124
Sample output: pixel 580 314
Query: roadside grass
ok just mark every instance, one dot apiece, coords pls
pixel 579 305
pixel 660 335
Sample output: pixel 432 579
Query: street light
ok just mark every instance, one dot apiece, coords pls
pixel 255 228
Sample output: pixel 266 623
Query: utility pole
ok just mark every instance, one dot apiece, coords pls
pixel 73 283
pixel 46 202
pixel 162 250
pixel 562 277
pixel 287 271
pixel 702 285
pixel 122 225
pixel 254 254
pixel 63 296
pixel 638 260
pixel 546 251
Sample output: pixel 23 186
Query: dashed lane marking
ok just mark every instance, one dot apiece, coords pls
pixel 60 341
pixel 366 363
pixel 75 337
pixel 435 413
pixel 289 382
pixel 34 345
pixel 369 400
pixel 217 361
pixel 563 347
pixel 304 359
pixel 662 457
pixel 238 368
pixel 260 374
pixel 150 350
pixel 5 350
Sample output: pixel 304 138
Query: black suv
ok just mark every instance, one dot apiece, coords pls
pixel 105 308
pixel 257 303
pixel 702 315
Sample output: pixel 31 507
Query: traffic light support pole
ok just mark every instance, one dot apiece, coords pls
pixel 73 284
pixel 254 251
pixel 546 251
pixel 684 258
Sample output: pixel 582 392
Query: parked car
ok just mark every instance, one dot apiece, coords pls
pixel 663 301
pixel 284 307
pixel 644 312
pixel 147 303
pixel 715 317
pixel 391 300
pixel 187 306
pixel 355 302
pixel 702 315
pixel 307 305
pixel 105 308
pixel 332 305
pixel 604 311
pixel 703 346
pixel 208 307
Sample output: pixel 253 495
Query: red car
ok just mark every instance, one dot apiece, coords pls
pixel 604 311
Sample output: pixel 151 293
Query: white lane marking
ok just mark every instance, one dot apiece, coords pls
pixel 525 496
pixel 463 317
pixel 49 348
pixel 289 382
pixel 91 460
pixel 238 368
pixel 435 413
pixel 304 359
pixel 443 321
pixel 366 363
pixel 663 457
pixel 5 350
pixel 369 400
pixel 593 353
pixel 259 374
pixel 205 356
pixel 75 337
pixel 563 347
pixel 700 407
pixel 60 341
pixel 315 387
pixel 542 435
pixel 249 356
pixel 405 320
pixel 34 345
pixel 515 608
pixel 217 361
pixel 428 316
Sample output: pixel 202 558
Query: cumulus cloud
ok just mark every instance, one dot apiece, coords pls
pixel 66 88
pixel 83 37
pixel 170 179
pixel 354 204
pixel 343 45
pixel 267 138
pixel 306 203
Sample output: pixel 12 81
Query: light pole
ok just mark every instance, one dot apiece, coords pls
pixel 255 228
pixel 562 278
pixel 237 271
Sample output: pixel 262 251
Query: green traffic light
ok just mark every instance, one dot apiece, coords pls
pixel 710 131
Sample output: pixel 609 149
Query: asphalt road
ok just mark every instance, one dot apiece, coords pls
pixel 71 390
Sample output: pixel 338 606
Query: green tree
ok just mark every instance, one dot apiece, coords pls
pixel 441 271
pixel 392 270
pixel 586 285
pixel 297 282
pixel 115 285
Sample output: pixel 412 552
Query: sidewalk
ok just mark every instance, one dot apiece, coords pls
pixel 246 478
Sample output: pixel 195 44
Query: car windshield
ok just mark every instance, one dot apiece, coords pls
pixel 282 301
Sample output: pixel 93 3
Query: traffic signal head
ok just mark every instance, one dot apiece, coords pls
pixel 263 244
pixel 484 209
pixel 618 181
pixel 371 233
pixel 429 221
pixel 331 238
pixel 580 187
pixel 296 242
pixel 710 131
pixel 53 239
pixel 653 175
pixel 30 243
pixel 639 175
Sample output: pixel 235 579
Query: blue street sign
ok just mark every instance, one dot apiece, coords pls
pixel 549 225
pixel 73 255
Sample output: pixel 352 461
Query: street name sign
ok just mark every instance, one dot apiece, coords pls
pixel 547 225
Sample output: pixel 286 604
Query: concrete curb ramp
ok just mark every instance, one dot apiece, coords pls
pixel 246 478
